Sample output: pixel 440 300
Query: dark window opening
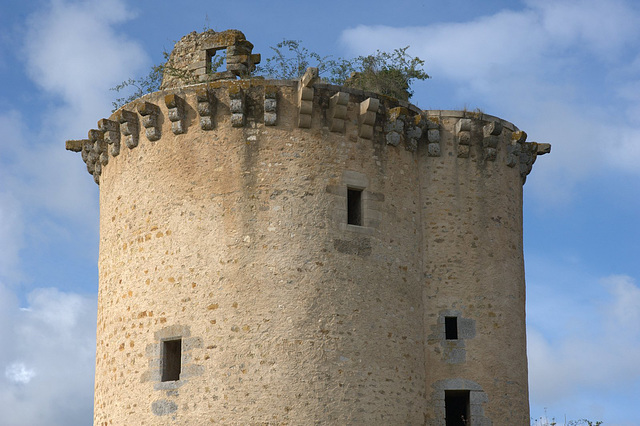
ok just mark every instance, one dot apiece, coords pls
pixel 215 62
pixel 354 206
pixel 451 328
pixel 171 360
pixel 457 409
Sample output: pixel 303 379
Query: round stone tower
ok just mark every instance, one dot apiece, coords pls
pixel 293 252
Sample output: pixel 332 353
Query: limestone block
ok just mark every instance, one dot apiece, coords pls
pixel 206 108
pixel 369 105
pixel 338 111
pixel 433 149
pixel 175 112
pixel 433 135
pixel 491 132
pixel 87 147
pixel 310 76
pixel 463 125
pixel 513 154
pixel 150 113
pixel 518 137
pixel 237 106
pixel 111 130
pixel 393 138
pixel 463 151
pixel 128 127
pixel 74 145
pixel 367 118
pixel 304 121
pixel 398 113
pixel 543 148
pixel 270 106
pixel 99 146
pixel 493 128
pixel 464 137
pixel 463 130
pixel 305 105
pixel 394 125
pixel 414 134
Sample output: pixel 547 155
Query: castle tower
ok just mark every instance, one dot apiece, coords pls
pixel 293 252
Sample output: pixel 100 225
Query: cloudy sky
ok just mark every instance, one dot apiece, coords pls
pixel 565 71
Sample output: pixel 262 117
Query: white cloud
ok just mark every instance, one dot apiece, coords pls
pixel 11 239
pixel 75 53
pixel 559 69
pixel 47 356
pixel 624 313
pixel 39 177
pixel 598 357
pixel 19 373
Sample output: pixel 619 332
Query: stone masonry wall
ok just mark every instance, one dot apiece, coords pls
pixel 225 223
pixel 238 237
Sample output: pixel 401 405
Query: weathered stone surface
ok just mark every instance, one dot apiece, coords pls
pixel 163 407
pixel 192 57
pixel 238 241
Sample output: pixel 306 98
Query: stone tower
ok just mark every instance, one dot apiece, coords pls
pixel 294 252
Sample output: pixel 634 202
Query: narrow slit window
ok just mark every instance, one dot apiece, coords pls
pixel 451 328
pixel 457 407
pixel 171 360
pixel 354 206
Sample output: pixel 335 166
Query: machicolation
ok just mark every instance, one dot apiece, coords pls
pixel 296 252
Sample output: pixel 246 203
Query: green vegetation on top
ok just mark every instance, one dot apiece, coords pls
pixel 389 74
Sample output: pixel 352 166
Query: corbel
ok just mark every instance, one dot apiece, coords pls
pixel 463 134
pixel 175 112
pixel 128 127
pixel 150 113
pixel 337 113
pixel 206 108
pixel 270 105
pixel 367 117
pixel 111 131
pixel 305 97
pixel 236 105
pixel 433 138
pixel 491 133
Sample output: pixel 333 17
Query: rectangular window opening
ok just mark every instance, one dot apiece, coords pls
pixel 171 360
pixel 354 206
pixel 215 61
pixel 457 408
pixel 451 328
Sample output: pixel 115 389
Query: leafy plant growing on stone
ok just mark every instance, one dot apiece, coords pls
pixel 544 421
pixel 389 74
pixel 290 60
pixel 140 86
pixel 152 81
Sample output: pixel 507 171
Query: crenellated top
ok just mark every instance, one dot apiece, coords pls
pixel 306 104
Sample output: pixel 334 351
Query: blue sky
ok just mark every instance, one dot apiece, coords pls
pixel 565 71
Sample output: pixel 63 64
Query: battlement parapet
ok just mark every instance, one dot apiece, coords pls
pixel 305 104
